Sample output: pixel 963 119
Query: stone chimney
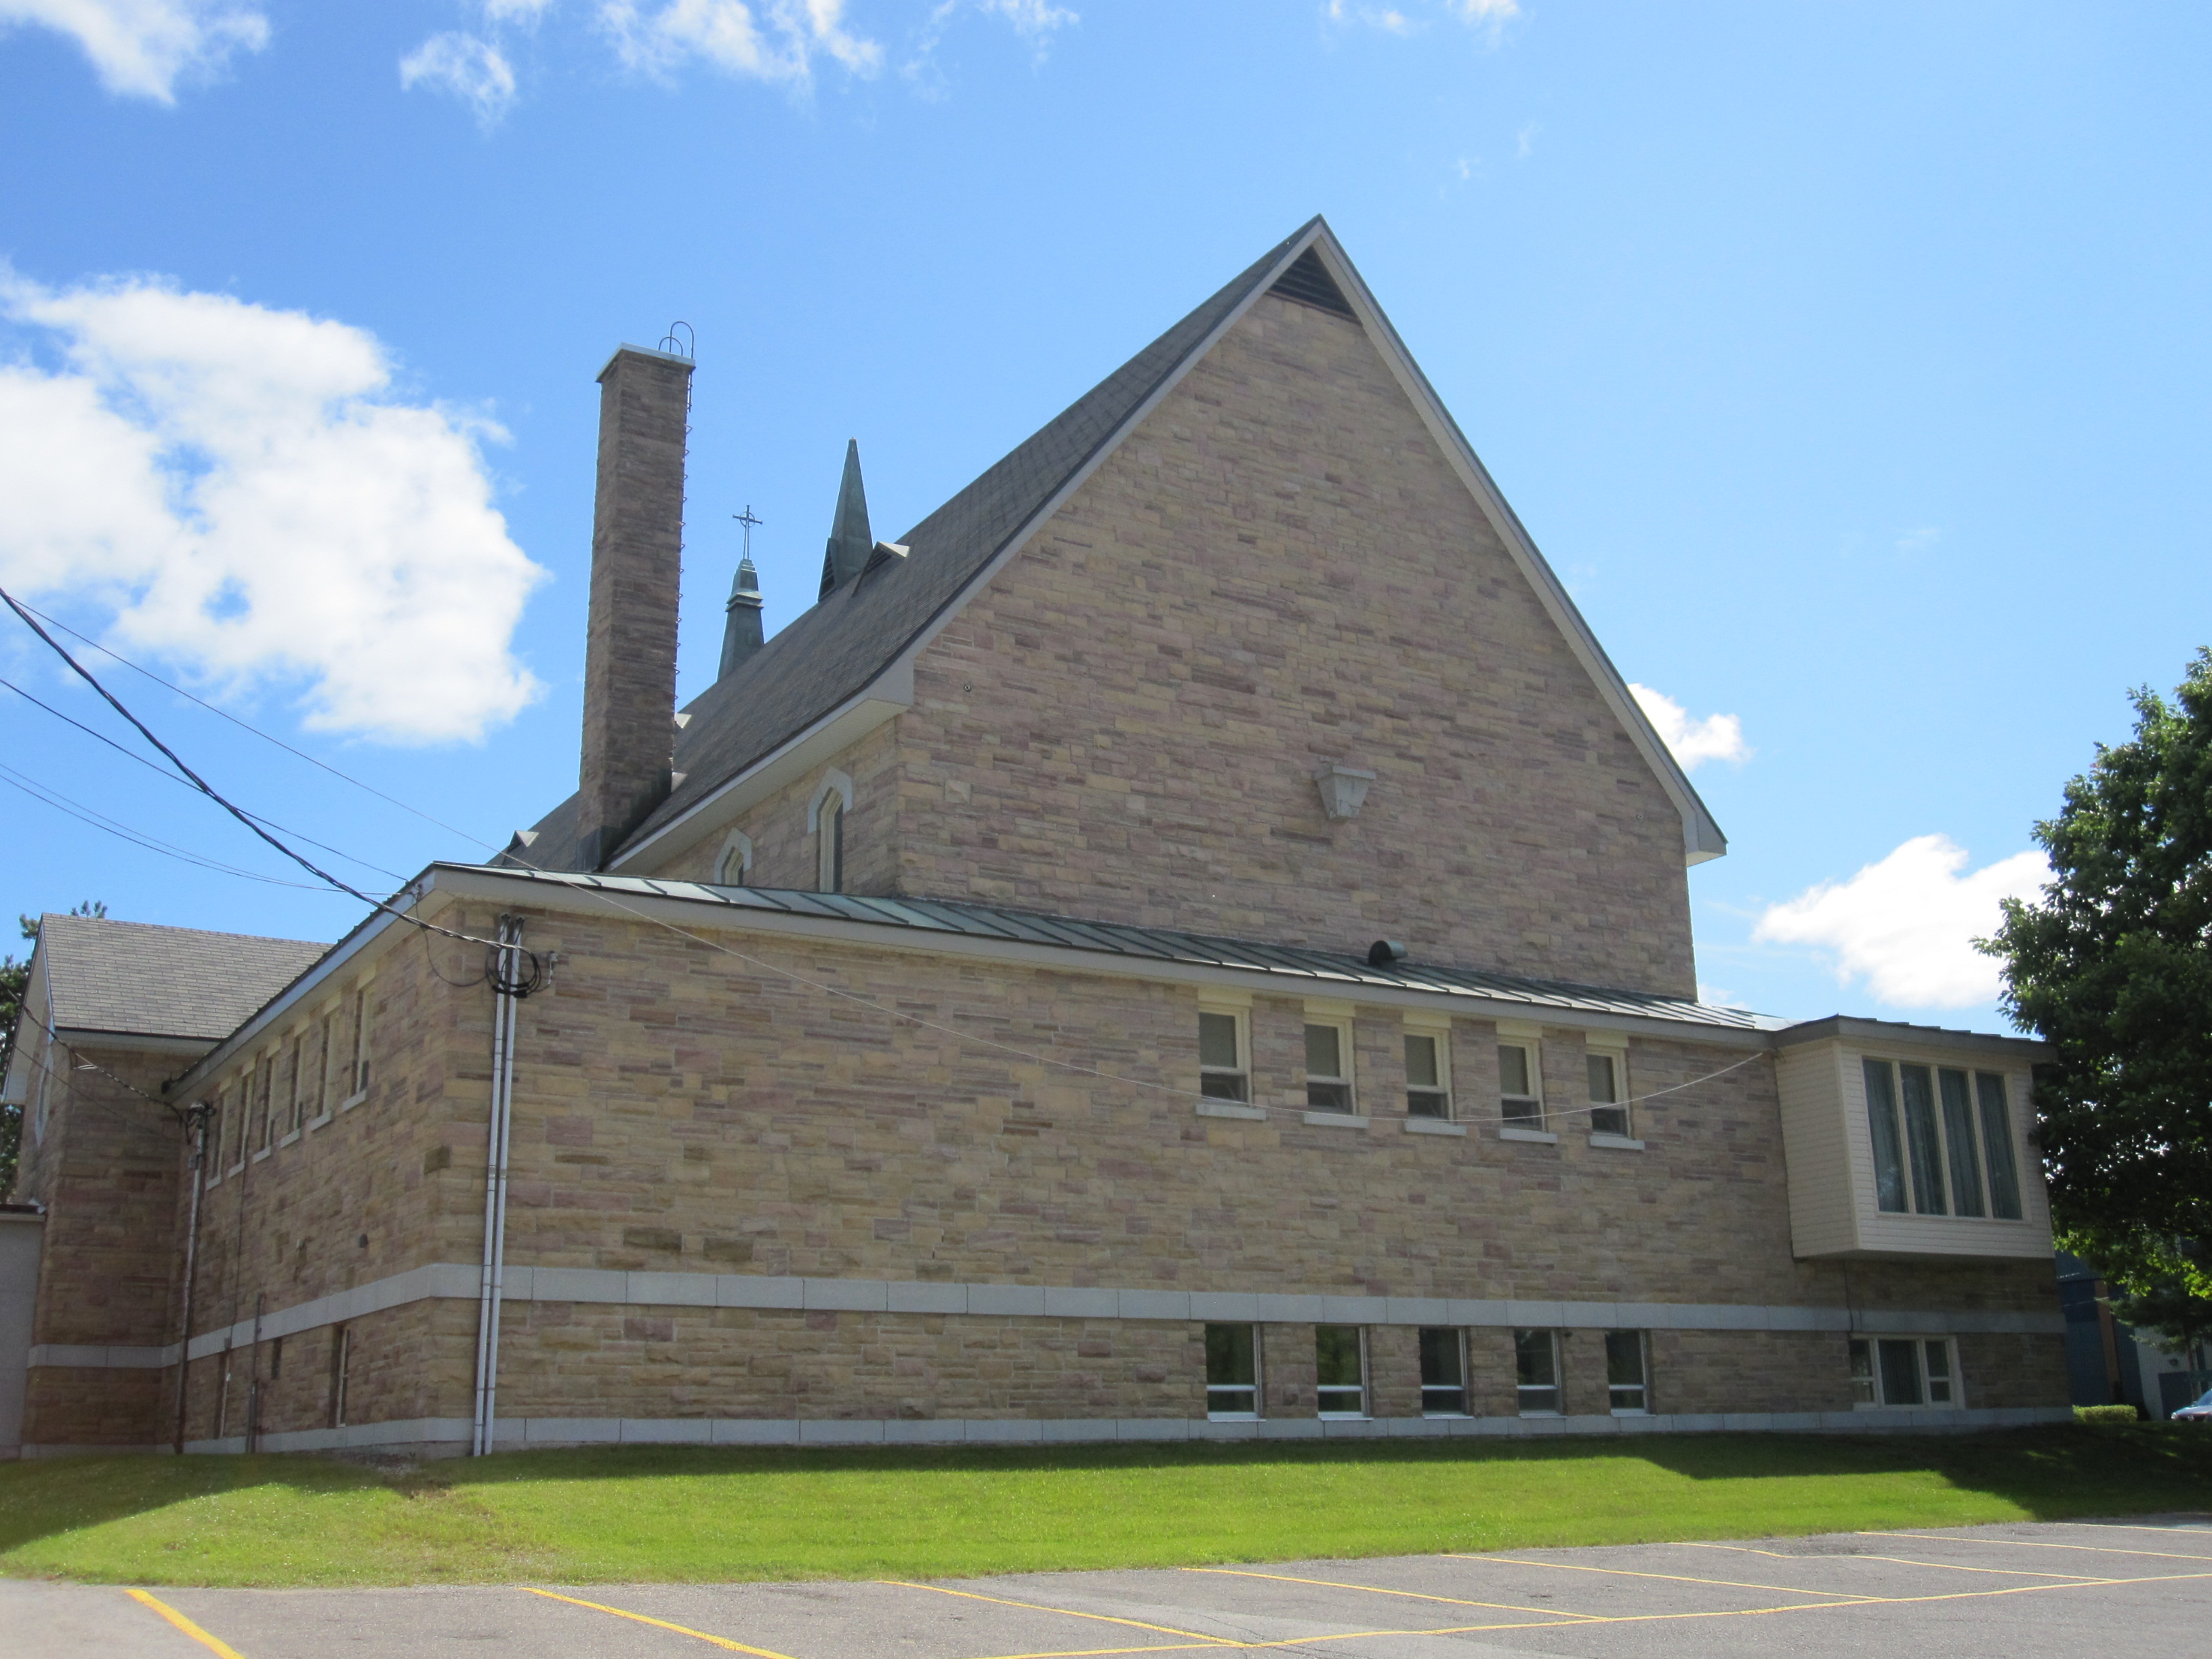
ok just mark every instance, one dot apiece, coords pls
pixel 629 652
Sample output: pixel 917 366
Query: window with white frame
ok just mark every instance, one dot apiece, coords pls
pixel 1328 1064
pixel 1224 1068
pixel 1536 1372
pixel 1340 1370
pixel 264 1100
pixel 1520 1100
pixel 1628 1372
pixel 1903 1371
pixel 829 845
pixel 1608 1091
pixel 735 861
pixel 1444 1373
pixel 296 1054
pixel 1232 1371
pixel 323 1061
pixel 1942 1140
pixel 1428 1074
pixel 357 1055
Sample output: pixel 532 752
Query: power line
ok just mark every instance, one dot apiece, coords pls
pixel 171 777
pixel 61 803
pixel 246 726
pixel 244 817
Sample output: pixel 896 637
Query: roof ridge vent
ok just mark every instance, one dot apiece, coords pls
pixel 1308 282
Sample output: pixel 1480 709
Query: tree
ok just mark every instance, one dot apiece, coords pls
pixel 14 981
pixel 2112 967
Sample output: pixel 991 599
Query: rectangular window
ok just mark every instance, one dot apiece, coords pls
pixel 357 1058
pixel 1903 1372
pixel 1536 1371
pixel 296 1083
pixel 1428 1075
pixel 322 1105
pixel 831 848
pixel 1888 1144
pixel 1997 1143
pixel 1232 1371
pixel 341 1357
pixel 1328 1067
pixel 1519 1103
pixel 263 1105
pixel 1626 1378
pixel 1608 1116
pixel 1924 1143
pixel 1222 1071
pixel 1444 1373
pixel 1959 1143
pixel 1340 1370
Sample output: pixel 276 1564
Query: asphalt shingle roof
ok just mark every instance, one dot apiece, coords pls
pixel 834 651
pixel 130 976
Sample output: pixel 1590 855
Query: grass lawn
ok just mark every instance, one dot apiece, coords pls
pixel 677 1513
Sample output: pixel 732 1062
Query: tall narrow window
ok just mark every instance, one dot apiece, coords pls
pixel 1428 1075
pixel 1888 1144
pixel 1328 1067
pixel 1536 1371
pixel 1444 1373
pixel 1627 1382
pixel 323 1066
pixel 296 1083
pixel 1232 1371
pixel 1221 1073
pixel 1340 1370
pixel 1997 1145
pixel 341 1355
pixel 1935 1358
pixel 357 1060
pixel 1959 1142
pixel 1924 1143
pixel 1517 1099
pixel 265 1105
pixel 830 848
pixel 1609 1115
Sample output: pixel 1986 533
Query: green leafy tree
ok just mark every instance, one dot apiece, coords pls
pixel 2112 967
pixel 14 981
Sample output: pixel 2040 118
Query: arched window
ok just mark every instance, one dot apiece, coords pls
pixel 735 861
pixel 825 821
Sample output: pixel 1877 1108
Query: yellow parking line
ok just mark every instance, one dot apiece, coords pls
pixel 2129 1525
pixel 2034 1544
pixel 1952 1566
pixel 681 1629
pixel 1375 1590
pixel 1677 1578
pixel 1070 1612
pixel 216 1642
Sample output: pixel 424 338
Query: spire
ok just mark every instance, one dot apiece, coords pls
pixel 850 540
pixel 741 633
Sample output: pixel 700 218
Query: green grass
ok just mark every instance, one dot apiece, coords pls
pixel 681 1513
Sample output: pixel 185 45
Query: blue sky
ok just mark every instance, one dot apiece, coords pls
pixel 1847 360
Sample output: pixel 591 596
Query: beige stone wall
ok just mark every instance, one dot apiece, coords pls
pixel 1278 569
pixel 784 853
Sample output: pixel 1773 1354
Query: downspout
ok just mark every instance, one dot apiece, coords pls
pixel 196 1118
pixel 508 990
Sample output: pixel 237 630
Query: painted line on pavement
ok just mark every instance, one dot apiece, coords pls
pixel 1375 1590
pixel 214 1643
pixel 643 1619
pixel 2034 1544
pixel 1676 1577
pixel 1039 1607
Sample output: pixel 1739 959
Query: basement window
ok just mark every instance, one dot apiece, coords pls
pixel 1444 1373
pixel 1627 1373
pixel 1340 1370
pixel 1232 1371
pixel 1904 1371
pixel 1536 1372
pixel 1223 1072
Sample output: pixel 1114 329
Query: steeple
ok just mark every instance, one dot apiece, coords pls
pixel 741 633
pixel 850 540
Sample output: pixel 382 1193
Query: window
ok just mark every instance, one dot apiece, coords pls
pixel 1518 1082
pixel 1942 1141
pixel 340 1362
pixel 735 861
pixel 1428 1074
pixel 1443 1374
pixel 1536 1371
pixel 1902 1370
pixel 323 1059
pixel 295 1075
pixel 1329 1065
pixel 1608 1093
pixel 1340 1369
pixel 1627 1375
pixel 829 845
pixel 1232 1371
pixel 1222 1071
pixel 357 1050
pixel 263 1105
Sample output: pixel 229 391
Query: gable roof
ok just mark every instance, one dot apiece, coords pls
pixel 863 636
pixel 132 978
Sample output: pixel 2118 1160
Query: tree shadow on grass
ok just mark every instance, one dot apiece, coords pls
pixel 49 1496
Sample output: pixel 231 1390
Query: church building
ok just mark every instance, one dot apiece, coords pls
pixel 1192 940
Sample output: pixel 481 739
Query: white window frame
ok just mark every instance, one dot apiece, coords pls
pixel 1336 1017
pixel 1338 1414
pixel 1643 1386
pixel 1258 1384
pixel 1558 1386
pixel 1438 1033
pixel 1238 1010
pixel 829 844
pixel 263 1076
pixel 354 1005
pixel 1946 1173
pixel 1529 1040
pixel 1458 1336
pixel 735 861
pixel 1867 1391
pixel 1616 1056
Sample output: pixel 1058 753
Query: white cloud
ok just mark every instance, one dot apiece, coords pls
pixel 1490 15
pixel 240 491
pixel 472 69
pixel 781 43
pixel 1906 923
pixel 1033 20
pixel 1524 142
pixel 515 11
pixel 143 48
pixel 1717 737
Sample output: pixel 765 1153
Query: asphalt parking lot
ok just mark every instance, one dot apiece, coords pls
pixel 2066 1588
